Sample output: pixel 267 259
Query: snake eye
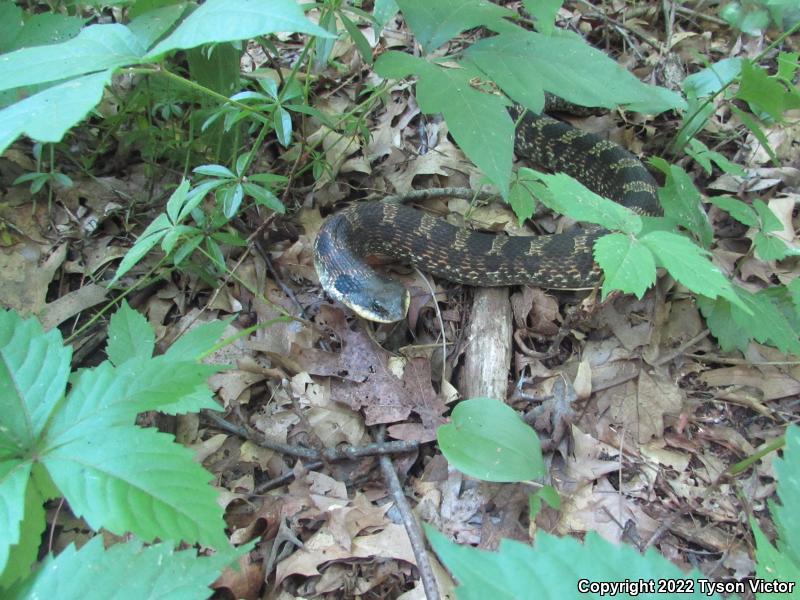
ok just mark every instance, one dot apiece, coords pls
pixel 378 309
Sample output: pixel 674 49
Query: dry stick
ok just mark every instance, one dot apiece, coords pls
pixel 441 321
pixel 328 454
pixel 284 479
pixel 682 348
pixel 411 524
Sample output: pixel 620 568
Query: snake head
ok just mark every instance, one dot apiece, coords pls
pixel 375 298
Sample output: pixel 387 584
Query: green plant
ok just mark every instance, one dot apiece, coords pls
pixel 481 573
pixel 73 435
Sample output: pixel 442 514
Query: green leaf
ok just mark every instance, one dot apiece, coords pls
pixel 362 45
pixel 231 197
pixel 11 23
pixel 214 171
pixel 544 12
pixel 769 247
pixel 794 291
pixel 21 556
pixel 450 91
pixel 96 48
pixel 719 318
pixel 627 264
pixel 769 220
pixel 701 153
pixel 765 321
pixel 570 197
pixel 762 91
pixel 138 480
pixel 126 570
pixel 282 121
pixel 149 238
pixel 383 11
pixel 488 440
pixel 754 128
pixel 151 25
pixel 772 564
pixel 687 263
pixel 553 567
pixel 264 197
pixel 35 117
pixel 712 79
pixel 218 21
pixel 785 514
pixel 435 23
pixel 129 336
pixel 45 28
pixel 737 209
pixel 176 201
pixel 682 201
pixel 34 367
pixel 195 342
pixel 522 195
pixel 14 476
pixel 523 63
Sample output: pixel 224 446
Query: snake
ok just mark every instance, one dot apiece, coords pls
pixel 560 261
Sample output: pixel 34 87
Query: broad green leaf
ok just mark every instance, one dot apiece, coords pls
pixel 682 201
pixel 570 197
pixel 627 264
pixel 736 208
pixel 688 263
pixel 24 553
pixel 525 62
pixel 756 130
pixel 96 48
pixel 771 563
pixel 488 440
pixel 177 200
pixel 44 28
pixel 699 112
pixel 788 63
pixel 362 45
pixel 383 11
pixel 769 220
pixel 105 397
pixel 435 23
pixel 794 291
pixel 264 197
pixel 129 336
pixel 151 236
pixel 523 193
pixel 785 514
pixel 762 91
pixel 218 21
pixel 766 322
pixel 48 115
pixel 11 23
pixel 126 570
pixel 704 157
pixel 14 476
pixel 719 318
pixel 191 344
pixel 751 18
pixel 138 480
pixel 544 11
pixel 770 247
pixel 231 197
pixel 34 367
pixel 283 126
pixel 214 171
pixel 553 567
pixel 451 91
pixel 713 78
pixel 151 25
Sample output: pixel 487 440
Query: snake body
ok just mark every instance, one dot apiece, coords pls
pixel 559 261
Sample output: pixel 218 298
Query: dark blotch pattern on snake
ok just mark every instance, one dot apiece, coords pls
pixel 559 261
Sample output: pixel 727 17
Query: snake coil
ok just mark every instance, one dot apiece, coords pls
pixel 559 261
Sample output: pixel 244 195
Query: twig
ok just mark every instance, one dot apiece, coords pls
pixel 682 348
pixel 282 480
pixel 327 454
pixel 412 526
pixel 441 321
